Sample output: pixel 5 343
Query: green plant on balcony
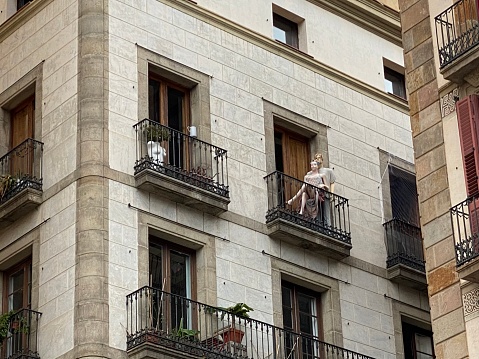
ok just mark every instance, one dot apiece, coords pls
pixel 239 310
pixel 185 333
pixel 156 133
pixel 11 323
pixel 6 183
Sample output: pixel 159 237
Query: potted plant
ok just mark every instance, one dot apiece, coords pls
pixel 155 135
pixel 234 333
pixel 6 183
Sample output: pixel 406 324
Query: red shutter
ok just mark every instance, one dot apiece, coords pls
pixel 468 120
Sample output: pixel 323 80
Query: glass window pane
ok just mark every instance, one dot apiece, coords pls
pixel 16 281
pixel 156 266
pixel 305 303
pixel 423 344
pixel 279 34
pixel 175 109
pixel 179 273
pixel 154 100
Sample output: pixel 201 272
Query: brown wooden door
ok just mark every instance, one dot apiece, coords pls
pixel 292 158
pixel 22 129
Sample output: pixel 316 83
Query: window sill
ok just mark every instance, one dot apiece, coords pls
pixel 293 48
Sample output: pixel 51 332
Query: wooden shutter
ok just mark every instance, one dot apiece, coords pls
pixel 468 117
pixel 468 121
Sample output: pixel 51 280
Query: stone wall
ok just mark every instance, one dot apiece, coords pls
pixel 431 175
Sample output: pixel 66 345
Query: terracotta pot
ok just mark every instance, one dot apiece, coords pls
pixel 233 335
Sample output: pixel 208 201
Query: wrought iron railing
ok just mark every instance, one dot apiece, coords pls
pixel 21 340
pixel 465 229
pixel 310 206
pixel 178 155
pixel 457 30
pixel 181 324
pixel 21 168
pixel 404 245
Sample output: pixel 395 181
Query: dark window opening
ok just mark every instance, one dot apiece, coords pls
pixel 285 30
pixel 394 83
pixel 301 309
pixel 171 269
pixel 22 3
pixel 418 342
pixel 403 191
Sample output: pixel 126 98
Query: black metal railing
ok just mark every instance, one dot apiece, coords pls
pixel 404 245
pixel 21 340
pixel 178 155
pixel 181 324
pixel 465 229
pixel 457 30
pixel 309 206
pixel 21 168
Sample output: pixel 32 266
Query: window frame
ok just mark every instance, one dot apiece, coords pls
pixel 413 331
pixel 163 100
pixel 22 3
pixel 295 312
pixel 166 248
pixel 395 78
pixel 26 265
pixel 289 27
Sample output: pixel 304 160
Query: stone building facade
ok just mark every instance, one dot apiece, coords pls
pixel 442 82
pixel 148 152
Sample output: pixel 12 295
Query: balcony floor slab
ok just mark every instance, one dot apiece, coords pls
pixel 20 204
pixel 181 192
pixel 292 233
pixel 407 276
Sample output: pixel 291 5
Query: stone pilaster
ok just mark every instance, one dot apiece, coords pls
pixel 431 175
pixel 91 292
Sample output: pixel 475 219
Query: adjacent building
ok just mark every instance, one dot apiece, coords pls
pixel 440 46
pixel 153 161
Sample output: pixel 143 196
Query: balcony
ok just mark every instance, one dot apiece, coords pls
pixel 405 261
pixel 20 180
pixel 181 168
pixel 21 337
pixel 161 324
pixel 323 229
pixel 457 34
pixel 465 226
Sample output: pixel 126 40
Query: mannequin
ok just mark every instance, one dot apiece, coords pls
pixel 321 177
pixel 310 196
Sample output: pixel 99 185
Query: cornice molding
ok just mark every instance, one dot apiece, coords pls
pixel 18 19
pixel 293 55
pixel 368 14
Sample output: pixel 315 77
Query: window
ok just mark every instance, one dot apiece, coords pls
pixel 300 315
pixel 404 204
pixel 168 103
pixel 18 285
pixel 285 31
pixel 418 342
pixel 172 269
pixel 394 82
pixel 22 3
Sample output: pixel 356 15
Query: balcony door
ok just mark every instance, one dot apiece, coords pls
pixel 301 321
pixel 17 289
pixel 172 271
pixel 291 153
pixel 169 105
pixel 21 128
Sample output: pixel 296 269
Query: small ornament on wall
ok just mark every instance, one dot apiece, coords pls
pixel 448 102
pixel 471 301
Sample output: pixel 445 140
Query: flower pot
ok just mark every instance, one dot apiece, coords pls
pixel 232 335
